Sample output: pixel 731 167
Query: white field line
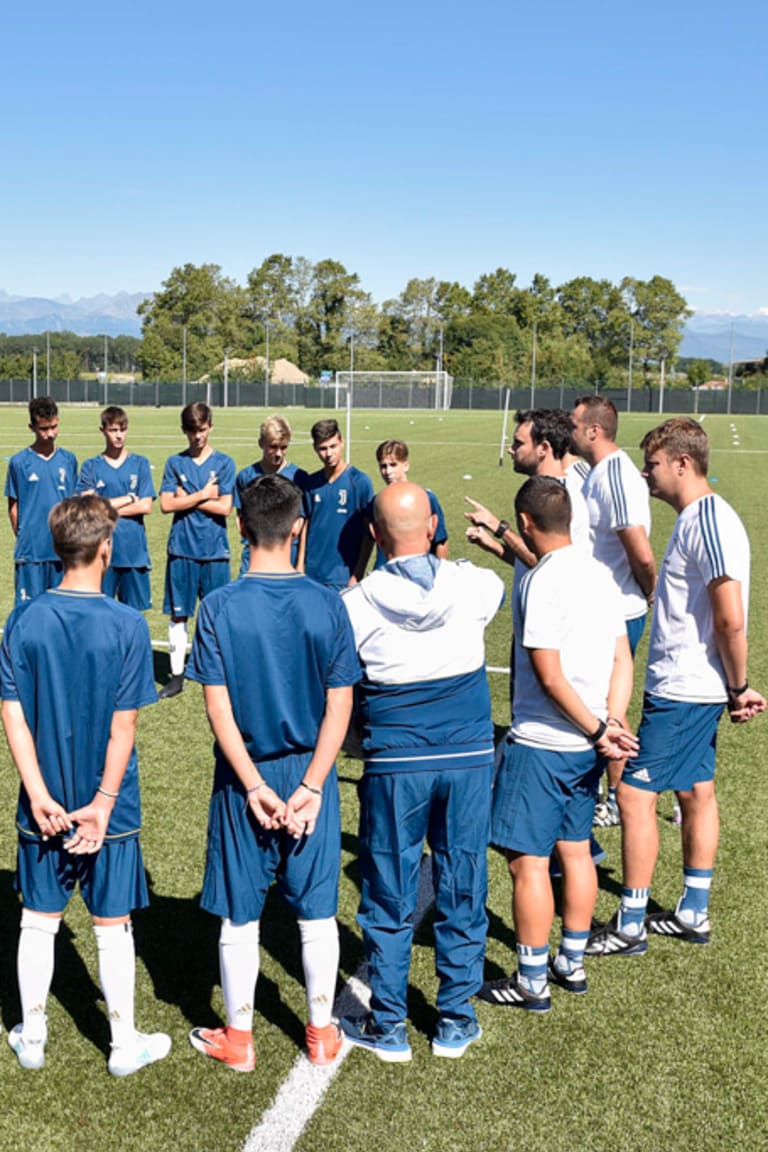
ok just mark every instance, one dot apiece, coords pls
pixel 301 1093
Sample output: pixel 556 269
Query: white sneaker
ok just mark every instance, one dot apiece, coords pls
pixel 31 1053
pixel 148 1048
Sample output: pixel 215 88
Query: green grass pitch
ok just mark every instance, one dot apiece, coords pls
pixel 666 1051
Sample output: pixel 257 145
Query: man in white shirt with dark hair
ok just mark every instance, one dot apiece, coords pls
pixel 620 525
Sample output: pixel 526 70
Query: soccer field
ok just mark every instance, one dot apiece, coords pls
pixel 666 1052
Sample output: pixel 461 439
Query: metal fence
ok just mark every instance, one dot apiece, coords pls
pixel 466 395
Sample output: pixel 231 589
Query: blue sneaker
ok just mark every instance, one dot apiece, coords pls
pixel 389 1044
pixel 453 1037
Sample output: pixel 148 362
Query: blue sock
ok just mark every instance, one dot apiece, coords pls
pixel 532 968
pixel 634 902
pixel 570 954
pixel 693 905
pixel 611 799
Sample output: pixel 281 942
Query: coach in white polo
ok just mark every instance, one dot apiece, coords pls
pixel 619 528
pixel 697 664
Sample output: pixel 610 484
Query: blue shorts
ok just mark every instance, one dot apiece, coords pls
pixel 112 882
pixel 34 578
pixel 187 581
pixel 677 745
pixel 243 858
pixel 635 629
pixel 541 796
pixel 128 585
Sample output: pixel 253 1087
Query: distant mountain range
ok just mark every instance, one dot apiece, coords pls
pixel 708 335
pixel 90 316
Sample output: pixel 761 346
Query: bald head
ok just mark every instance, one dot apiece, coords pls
pixel 403 522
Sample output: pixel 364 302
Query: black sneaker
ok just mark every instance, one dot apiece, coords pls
pixel 509 993
pixel 609 941
pixel 174 686
pixel 575 981
pixel 670 924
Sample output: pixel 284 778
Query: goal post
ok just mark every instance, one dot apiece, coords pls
pixel 430 390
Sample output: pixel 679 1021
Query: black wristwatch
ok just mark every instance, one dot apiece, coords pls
pixel 502 528
pixel 598 734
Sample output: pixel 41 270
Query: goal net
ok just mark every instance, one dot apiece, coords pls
pixel 391 390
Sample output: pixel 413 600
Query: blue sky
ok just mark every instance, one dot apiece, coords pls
pixel 587 137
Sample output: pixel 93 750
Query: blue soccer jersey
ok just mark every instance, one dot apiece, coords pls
pixel 291 472
pixel 441 532
pixel 129 543
pixel 277 643
pixel 72 660
pixel 37 483
pixel 338 520
pixel 195 534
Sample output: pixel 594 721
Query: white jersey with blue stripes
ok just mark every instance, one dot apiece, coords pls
pixel 708 542
pixel 617 497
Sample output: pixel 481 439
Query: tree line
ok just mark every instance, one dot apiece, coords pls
pixel 319 316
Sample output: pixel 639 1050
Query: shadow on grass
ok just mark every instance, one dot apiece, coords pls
pixel 162 666
pixel 72 985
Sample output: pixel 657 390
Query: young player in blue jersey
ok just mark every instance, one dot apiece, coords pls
pixel 394 466
pixel 337 503
pixel 573 678
pixel 38 478
pixel 197 490
pixel 275 655
pixel 419 626
pixel 274 441
pixel 75 667
pixel 697 666
pixel 125 480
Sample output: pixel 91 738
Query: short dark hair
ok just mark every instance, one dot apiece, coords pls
pixel 547 503
pixel 550 424
pixel 396 448
pixel 79 526
pixel 601 411
pixel 269 505
pixel 325 430
pixel 42 408
pixel 114 415
pixel 194 415
pixel 681 435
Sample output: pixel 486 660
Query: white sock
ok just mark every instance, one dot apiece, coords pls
pixel 177 645
pixel 239 968
pixel 117 976
pixel 35 969
pixel 320 957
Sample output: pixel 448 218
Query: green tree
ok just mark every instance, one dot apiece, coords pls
pixel 496 292
pixel 596 311
pixel 197 317
pixel 658 313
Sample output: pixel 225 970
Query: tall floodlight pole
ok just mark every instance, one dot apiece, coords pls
pixel 440 378
pixel 34 372
pixel 184 365
pixel 661 388
pixel 266 369
pixel 730 372
pixel 106 375
pixel 350 392
pixel 631 352
pixel 48 362
pixel 533 369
